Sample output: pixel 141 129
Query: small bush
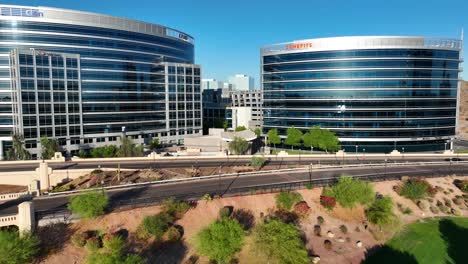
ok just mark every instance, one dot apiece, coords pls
pixel 15 249
pixel 257 162
pixel 207 197
pixel 245 218
pixel 286 216
pixel 423 205
pixel 93 244
pixel 327 202
pixel 173 234
pixel 416 189
pixel 155 225
pixel 320 220
pixel 343 229
pixel 89 204
pixel 309 186
pixel 96 171
pixel 225 212
pixel 381 212
pixel 79 239
pixel 113 244
pixel 327 244
pixel 286 200
pixel 434 209
pixel 317 230
pixel 407 211
pixel 349 192
pixel 175 208
pixel 462 185
pixel 302 208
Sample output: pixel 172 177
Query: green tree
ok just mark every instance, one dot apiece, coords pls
pixel 108 151
pixel 221 240
pixel 349 192
pixel 258 132
pixel 17 150
pixel 48 147
pixel 294 137
pixel 17 250
pixel 273 137
pixel 312 137
pixel 154 143
pixel 321 139
pixel 240 128
pixel 89 204
pixel 380 212
pixel 279 242
pixel 129 149
pixel 238 146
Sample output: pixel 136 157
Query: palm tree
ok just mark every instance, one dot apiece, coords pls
pixel 17 150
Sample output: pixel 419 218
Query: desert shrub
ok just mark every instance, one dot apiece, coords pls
pixel 207 197
pixel 349 192
pixel 309 185
pixel 447 202
pixel 173 234
pixel 221 240
pixel 79 239
pixel 93 244
pixel 155 225
pixel 96 171
pixel 317 230
pixel 320 220
pixel 458 200
pixel 175 208
pixel 17 250
pixel 415 189
pixel 89 204
pixel 226 211
pixel 113 244
pixel 462 185
pixel 380 212
pixel 327 244
pixel 257 162
pixel 302 208
pixel 343 229
pixel 102 258
pixel 286 200
pixel 423 205
pixel 279 242
pixel 408 211
pixel 327 202
pixel 285 216
pixel 245 218
pixel 434 209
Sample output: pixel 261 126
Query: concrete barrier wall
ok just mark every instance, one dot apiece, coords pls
pixel 8 220
pixel 12 196
pixel 23 178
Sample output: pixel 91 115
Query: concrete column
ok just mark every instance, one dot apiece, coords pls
pixel 34 188
pixel 1 150
pixel 43 173
pixel 26 219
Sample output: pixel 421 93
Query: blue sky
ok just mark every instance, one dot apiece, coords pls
pixel 229 34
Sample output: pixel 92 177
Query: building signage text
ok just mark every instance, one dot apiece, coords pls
pixel 299 46
pixel 20 12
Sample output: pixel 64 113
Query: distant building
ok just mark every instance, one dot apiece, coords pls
pixel 246 107
pixel 242 82
pixel 212 84
pixel 215 112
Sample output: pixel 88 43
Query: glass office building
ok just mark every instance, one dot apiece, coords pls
pixel 83 78
pixel 376 93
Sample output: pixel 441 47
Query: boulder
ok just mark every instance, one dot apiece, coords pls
pixel 330 234
pixel 315 259
pixel 358 244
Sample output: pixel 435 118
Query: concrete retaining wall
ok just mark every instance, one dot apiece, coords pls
pixel 12 196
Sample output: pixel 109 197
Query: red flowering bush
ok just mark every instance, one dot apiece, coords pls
pixel 302 208
pixel 327 202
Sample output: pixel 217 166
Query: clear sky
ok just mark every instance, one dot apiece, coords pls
pixel 228 34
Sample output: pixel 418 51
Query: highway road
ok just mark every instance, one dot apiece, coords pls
pixel 232 184
pixel 281 162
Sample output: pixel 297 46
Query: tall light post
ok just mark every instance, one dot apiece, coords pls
pixel 445 146
pixel 403 148
pixel 363 153
pixel 356 149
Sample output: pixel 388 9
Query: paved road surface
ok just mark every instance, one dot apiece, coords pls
pixel 226 185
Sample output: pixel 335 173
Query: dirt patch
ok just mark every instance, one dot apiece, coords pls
pixel 343 250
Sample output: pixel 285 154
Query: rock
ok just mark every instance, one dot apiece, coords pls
pixel 358 244
pixel 455 212
pixel 330 234
pixel 423 205
pixel 315 259
pixel 434 209
pixel 340 239
pixel 458 201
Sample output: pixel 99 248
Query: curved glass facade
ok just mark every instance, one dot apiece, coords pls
pixel 373 95
pixel 122 73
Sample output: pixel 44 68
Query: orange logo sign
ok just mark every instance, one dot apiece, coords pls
pixel 299 46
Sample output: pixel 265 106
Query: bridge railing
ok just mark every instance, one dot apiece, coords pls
pixel 13 196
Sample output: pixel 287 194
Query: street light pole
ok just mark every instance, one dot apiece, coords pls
pixel 356 149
